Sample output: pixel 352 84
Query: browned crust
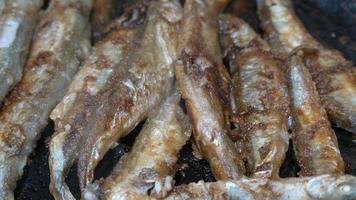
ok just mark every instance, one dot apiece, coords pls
pixel 334 76
pixel 54 58
pixel 205 85
pixel 76 115
pixel 143 80
pixel 314 140
pixel 318 187
pixel 153 156
pixel 261 97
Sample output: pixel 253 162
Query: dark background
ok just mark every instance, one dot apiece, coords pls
pixel 329 28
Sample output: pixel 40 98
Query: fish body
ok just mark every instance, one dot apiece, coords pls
pixel 150 165
pixel 314 140
pixel 17 24
pixel 205 86
pixel 261 96
pixel 74 116
pixel 322 187
pixel 335 77
pixel 145 80
pixel 61 42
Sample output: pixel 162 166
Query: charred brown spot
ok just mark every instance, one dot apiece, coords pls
pixel 102 62
pixel 129 103
pixel 16 94
pixel 118 37
pixel 256 43
pixel 13 138
pixel 90 79
pixel 200 68
pixel 42 58
pixel 323 76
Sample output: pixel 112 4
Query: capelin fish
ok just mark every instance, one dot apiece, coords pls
pixel 324 187
pixel 205 85
pixel 61 42
pixel 74 116
pixel 262 102
pixel 144 80
pixel 335 77
pixel 125 94
pixel 17 24
pixel 150 165
pixel 314 140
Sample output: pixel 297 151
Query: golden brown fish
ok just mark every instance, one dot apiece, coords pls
pixel 144 79
pixel 74 116
pixel 17 24
pixel 262 103
pixel 314 140
pixel 324 187
pixel 61 42
pixel 150 165
pixel 205 85
pixel 335 77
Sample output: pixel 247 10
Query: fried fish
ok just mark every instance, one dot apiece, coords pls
pixel 75 115
pixel 262 102
pixel 335 77
pixel 322 187
pixel 17 24
pixel 143 82
pixel 150 165
pixel 61 42
pixel 314 140
pixel 205 85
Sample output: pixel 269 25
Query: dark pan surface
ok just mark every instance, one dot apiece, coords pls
pixel 35 181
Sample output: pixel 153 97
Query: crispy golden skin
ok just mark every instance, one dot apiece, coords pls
pixel 335 77
pixel 75 115
pixel 144 80
pixel 322 187
pixel 61 42
pixel 151 161
pixel 314 140
pixel 17 24
pixel 262 103
pixel 205 85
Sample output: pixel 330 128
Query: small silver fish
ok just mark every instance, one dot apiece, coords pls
pixel 75 115
pixel 335 77
pixel 314 140
pixel 324 187
pixel 17 24
pixel 61 42
pixel 262 102
pixel 205 85
pixel 151 162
